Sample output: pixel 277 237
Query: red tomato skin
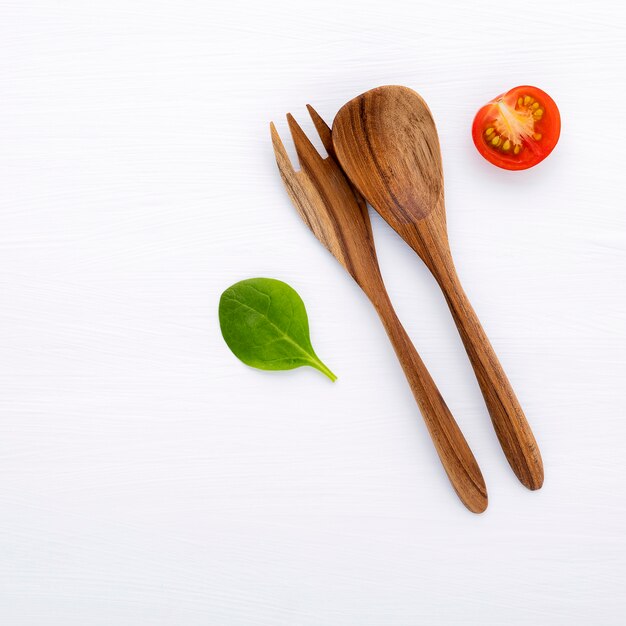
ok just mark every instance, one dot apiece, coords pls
pixel 534 152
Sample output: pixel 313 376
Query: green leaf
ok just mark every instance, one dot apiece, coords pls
pixel 265 324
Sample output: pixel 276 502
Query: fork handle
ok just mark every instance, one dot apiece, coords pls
pixel 452 448
pixel 512 428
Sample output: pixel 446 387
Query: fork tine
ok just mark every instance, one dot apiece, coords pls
pixel 326 136
pixel 308 156
pixel 293 181
pixel 322 130
pixel 282 158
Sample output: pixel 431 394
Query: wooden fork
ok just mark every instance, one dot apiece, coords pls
pixel 338 217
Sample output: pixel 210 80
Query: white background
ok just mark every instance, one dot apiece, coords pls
pixel 146 475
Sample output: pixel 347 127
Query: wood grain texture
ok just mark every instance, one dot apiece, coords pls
pixel 386 141
pixel 338 217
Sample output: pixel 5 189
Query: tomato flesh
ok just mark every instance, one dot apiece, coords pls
pixel 517 129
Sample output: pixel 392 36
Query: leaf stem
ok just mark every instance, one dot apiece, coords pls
pixel 318 365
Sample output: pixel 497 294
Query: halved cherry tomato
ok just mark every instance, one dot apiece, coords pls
pixel 518 129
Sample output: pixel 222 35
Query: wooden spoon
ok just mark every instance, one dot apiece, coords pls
pixel 386 142
pixel 338 217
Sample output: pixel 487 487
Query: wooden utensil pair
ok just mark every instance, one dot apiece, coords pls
pixel 386 142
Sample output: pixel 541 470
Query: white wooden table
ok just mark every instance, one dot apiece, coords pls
pixel 149 478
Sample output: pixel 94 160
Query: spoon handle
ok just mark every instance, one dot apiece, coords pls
pixel 452 448
pixel 512 428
